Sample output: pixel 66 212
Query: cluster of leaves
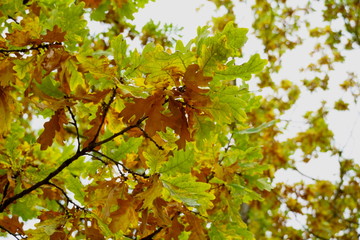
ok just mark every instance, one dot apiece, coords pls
pixel 323 209
pixel 136 144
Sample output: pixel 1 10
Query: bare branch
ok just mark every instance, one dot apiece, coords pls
pixel 9 232
pixel 68 199
pixel 105 111
pixel 116 164
pixel 151 139
pixel 25 50
pixel 152 235
pixel 119 133
pixel 76 128
pixel 122 165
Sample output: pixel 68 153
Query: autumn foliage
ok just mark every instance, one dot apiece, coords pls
pixel 162 141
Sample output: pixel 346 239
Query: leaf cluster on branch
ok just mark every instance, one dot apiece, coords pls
pixel 136 144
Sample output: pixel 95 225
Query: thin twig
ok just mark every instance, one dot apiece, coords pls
pixel 303 174
pixel 122 165
pixel 105 163
pixel 151 139
pixel 137 124
pixel 152 235
pixel 68 199
pixel 105 111
pixel 24 50
pixel 76 128
pixel 8 231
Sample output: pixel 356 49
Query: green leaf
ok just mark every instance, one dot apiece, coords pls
pixel 228 106
pixel 25 207
pixel 244 71
pixel 263 184
pixel 246 193
pixel 186 189
pixel 181 162
pixel 236 36
pixel 154 158
pixel 74 185
pixel 76 77
pixel 23 66
pixel 50 87
pixel 119 47
pixel 257 129
pixel 204 131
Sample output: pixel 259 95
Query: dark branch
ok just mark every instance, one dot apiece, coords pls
pixel 151 139
pixel 137 124
pixel 68 199
pixel 8 231
pixel 152 235
pixel 24 50
pixel 303 174
pixel 105 111
pixel 105 163
pixel 122 165
pixel 76 128
pixel 46 180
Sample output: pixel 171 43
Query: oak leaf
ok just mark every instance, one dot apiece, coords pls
pixel 53 126
pixel 6 107
pixel 124 217
pixel 150 107
pixel 19 38
pixel 12 224
pixel 7 74
pixel 56 35
pixel 150 194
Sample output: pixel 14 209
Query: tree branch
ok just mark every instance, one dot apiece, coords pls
pixel 151 139
pixel 105 111
pixel 68 199
pixel 12 234
pixel 137 124
pixel 25 50
pixel 122 165
pixel 152 235
pixel 105 163
pixel 65 164
pixel 76 128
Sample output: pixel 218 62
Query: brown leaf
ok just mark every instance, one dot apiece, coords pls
pixel 92 232
pixel 7 74
pixel 19 38
pixel 56 35
pixel 173 232
pixel 150 107
pixel 92 3
pixel 12 224
pixel 194 78
pixel 6 106
pixel 179 122
pixel 124 217
pixel 91 132
pixel 55 124
pixel 196 227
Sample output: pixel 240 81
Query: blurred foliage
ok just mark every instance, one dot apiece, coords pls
pixel 315 208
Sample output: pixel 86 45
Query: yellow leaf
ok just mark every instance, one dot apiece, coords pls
pixel 150 194
pixel 5 110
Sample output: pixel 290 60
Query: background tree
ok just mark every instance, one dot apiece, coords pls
pixel 320 209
